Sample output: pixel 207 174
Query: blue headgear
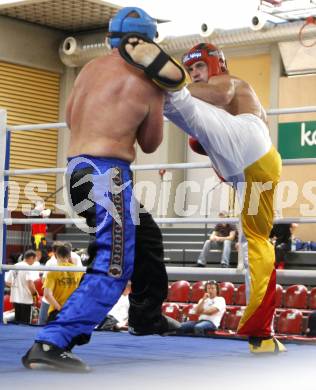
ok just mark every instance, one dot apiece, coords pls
pixel 121 24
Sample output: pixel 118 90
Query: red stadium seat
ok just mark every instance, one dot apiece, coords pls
pixel 296 296
pixel 240 298
pixel 312 298
pixel 279 296
pixel 171 310
pixel 227 290
pixel 7 305
pixel 290 322
pixel 223 321
pixel 189 314
pixel 197 291
pixel 233 317
pixel 39 286
pixel 179 291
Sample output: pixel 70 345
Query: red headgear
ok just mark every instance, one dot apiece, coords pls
pixel 208 53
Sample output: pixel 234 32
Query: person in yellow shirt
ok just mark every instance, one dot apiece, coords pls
pixel 58 286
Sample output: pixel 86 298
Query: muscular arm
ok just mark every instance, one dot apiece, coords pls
pixel 219 90
pixel 150 132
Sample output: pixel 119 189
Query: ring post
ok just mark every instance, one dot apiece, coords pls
pixel 4 164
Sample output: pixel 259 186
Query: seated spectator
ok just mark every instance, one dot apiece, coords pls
pixel 23 293
pixel 59 285
pixel 222 237
pixel 117 318
pixel 282 237
pixel 210 308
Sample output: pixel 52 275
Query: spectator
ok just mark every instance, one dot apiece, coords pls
pixel 282 236
pixel 23 292
pixel 52 261
pixel 117 318
pixel 39 229
pixel 75 258
pixel 222 237
pixel 210 308
pixel 44 249
pixel 59 285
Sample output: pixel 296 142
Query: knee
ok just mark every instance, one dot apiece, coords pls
pixel 228 243
pixel 199 330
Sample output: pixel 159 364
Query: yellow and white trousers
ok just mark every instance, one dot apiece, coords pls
pixel 241 151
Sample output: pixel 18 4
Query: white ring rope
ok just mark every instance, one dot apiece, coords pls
pixel 146 167
pixel 62 125
pixel 184 220
pixel 172 271
pixel 41 268
pixel 294 110
pixel 40 126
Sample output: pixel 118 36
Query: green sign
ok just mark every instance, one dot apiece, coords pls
pixel 297 140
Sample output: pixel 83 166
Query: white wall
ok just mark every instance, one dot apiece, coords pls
pixel 30 45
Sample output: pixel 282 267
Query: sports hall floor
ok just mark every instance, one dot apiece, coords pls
pixel 122 361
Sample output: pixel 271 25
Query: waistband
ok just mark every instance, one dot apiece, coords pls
pixel 85 161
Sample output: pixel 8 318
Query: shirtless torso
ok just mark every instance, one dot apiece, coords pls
pixel 111 106
pixel 230 93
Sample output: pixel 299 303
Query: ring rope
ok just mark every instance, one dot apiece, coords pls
pixel 184 220
pixel 173 272
pixel 62 125
pixel 146 167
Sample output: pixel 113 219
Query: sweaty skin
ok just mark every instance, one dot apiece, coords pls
pixel 110 107
pixel 228 92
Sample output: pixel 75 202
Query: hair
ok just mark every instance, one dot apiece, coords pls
pixel 63 252
pixel 68 245
pixel 29 253
pixel 56 245
pixel 213 283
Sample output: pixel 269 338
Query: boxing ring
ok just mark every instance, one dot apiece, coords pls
pixel 124 361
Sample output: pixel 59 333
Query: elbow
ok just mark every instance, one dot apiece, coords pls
pixel 149 149
pixel 47 295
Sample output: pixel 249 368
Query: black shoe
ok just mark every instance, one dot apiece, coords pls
pixel 166 326
pixel 200 265
pixel 48 355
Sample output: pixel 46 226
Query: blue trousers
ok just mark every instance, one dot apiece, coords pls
pixel 226 247
pixel 197 327
pixel 124 246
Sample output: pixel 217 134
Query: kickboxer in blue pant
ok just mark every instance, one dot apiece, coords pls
pixel 112 105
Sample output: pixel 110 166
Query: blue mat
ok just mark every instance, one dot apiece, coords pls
pixel 122 361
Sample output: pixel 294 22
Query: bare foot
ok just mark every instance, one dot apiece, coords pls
pixel 144 53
